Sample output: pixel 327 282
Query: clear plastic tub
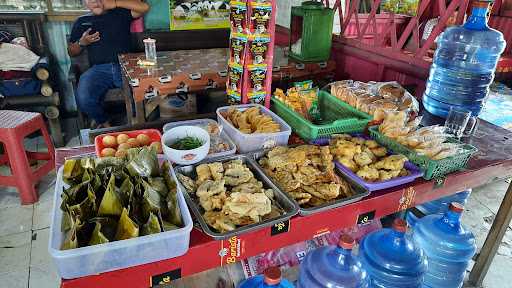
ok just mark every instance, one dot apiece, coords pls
pixel 204 122
pixel 246 143
pixel 116 255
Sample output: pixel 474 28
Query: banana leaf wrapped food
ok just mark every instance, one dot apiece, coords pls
pixel 110 199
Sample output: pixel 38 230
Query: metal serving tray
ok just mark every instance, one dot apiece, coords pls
pixel 281 200
pixel 360 191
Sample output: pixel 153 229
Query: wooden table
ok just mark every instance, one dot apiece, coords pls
pixel 179 65
pixel 494 160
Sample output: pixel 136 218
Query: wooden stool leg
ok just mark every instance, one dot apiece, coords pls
pixel 22 171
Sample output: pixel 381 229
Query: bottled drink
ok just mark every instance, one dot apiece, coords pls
pixel 438 206
pixel 448 246
pixel 271 278
pixel 392 259
pixel 150 50
pixel 464 64
pixel 333 267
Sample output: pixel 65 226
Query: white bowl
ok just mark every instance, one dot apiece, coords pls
pixel 186 157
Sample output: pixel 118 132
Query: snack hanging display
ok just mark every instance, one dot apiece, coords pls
pixel 261 13
pixel 111 199
pixel 306 173
pixel 237 16
pixel 258 49
pixel 238 46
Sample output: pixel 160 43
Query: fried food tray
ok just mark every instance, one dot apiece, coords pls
pixel 414 171
pixel 360 191
pixel 281 200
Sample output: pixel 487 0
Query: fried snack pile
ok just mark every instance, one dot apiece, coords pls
pixel 367 158
pixel 306 173
pixel 298 100
pixel 429 140
pixel 373 98
pixel 251 121
pixel 230 195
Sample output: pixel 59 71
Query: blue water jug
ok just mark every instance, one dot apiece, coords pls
pixel 448 247
pixel 271 278
pixel 464 64
pixel 438 206
pixel 333 267
pixel 392 259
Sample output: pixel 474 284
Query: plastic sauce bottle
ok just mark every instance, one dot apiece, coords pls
pixel 464 64
pixel 448 246
pixel 392 259
pixel 270 278
pixel 333 267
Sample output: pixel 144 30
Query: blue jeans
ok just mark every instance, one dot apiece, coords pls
pixel 93 86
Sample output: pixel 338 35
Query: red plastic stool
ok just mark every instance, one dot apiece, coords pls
pixel 15 126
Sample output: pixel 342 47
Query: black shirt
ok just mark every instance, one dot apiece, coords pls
pixel 114 28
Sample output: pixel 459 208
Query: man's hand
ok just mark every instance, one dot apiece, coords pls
pixel 87 39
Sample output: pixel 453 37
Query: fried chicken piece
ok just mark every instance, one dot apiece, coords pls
pixel 349 163
pixel 392 162
pixel 209 188
pixel 346 150
pixel 371 144
pixel 380 151
pixel 218 221
pixel 286 181
pixel 213 202
pixel 203 173
pixel 249 187
pixel 216 170
pixel 300 196
pixel 385 175
pixel 306 175
pixel 235 164
pixel 309 149
pixel 325 191
pixel 235 177
pixel 370 153
pixel 247 204
pixel 369 174
pixel 187 182
pixel 363 159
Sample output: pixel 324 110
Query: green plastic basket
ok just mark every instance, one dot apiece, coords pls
pixel 341 118
pixel 432 168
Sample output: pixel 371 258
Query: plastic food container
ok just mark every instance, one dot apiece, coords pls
pixel 359 191
pixel 252 142
pixel 116 255
pixel 202 123
pixel 282 200
pixel 414 172
pixel 153 134
pixel 343 118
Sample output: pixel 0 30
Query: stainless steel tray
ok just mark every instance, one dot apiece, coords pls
pixel 281 200
pixel 360 191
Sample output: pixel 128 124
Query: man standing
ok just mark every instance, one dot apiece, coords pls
pixel 104 33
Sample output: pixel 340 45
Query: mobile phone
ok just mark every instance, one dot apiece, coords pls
pixel 87 25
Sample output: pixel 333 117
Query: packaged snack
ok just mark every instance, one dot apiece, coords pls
pixel 260 17
pixel 258 47
pixel 257 77
pixel 304 85
pixel 237 18
pixel 235 72
pixel 257 97
pixel 234 98
pixel 238 44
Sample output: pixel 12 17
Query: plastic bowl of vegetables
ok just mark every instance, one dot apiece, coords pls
pixel 186 145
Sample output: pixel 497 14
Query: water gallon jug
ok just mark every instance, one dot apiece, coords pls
pixel 464 64
pixel 392 259
pixel 333 267
pixel 270 278
pixel 448 247
pixel 438 206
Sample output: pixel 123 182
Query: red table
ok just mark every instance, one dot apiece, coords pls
pixel 494 160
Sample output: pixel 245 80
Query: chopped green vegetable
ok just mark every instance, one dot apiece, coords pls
pixel 187 143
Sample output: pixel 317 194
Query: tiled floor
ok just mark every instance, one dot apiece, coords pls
pixel 24 232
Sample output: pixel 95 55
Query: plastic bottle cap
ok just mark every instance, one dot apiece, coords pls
pixel 346 242
pixel 272 276
pixel 456 207
pixel 400 225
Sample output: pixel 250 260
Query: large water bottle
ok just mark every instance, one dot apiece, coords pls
pixel 464 64
pixel 271 278
pixel 333 267
pixel 438 206
pixel 448 246
pixel 392 259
